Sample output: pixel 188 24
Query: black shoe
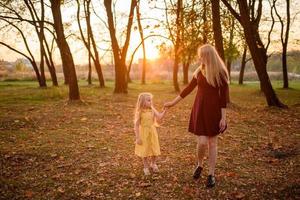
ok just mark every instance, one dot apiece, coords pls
pixel 197 172
pixel 211 181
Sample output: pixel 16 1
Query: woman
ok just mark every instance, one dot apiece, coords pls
pixel 208 116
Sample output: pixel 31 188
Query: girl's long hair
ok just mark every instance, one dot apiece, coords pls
pixel 215 69
pixel 141 104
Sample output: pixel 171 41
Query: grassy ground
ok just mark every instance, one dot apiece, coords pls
pixel 51 149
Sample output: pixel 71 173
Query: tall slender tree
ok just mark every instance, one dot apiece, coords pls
pixel 249 16
pixel 65 52
pixel 138 16
pixel 119 53
pixel 89 41
pixel 284 38
pixel 215 7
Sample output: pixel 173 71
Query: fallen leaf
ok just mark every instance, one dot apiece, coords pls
pixel 28 194
pixel 60 189
pixel 137 194
pixel 86 193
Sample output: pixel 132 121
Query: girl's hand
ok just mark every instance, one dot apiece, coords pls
pixel 138 141
pixel 222 125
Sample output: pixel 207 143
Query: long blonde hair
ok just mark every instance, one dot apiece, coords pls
pixel 141 104
pixel 215 69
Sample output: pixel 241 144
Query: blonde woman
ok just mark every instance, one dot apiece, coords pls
pixel 146 138
pixel 208 116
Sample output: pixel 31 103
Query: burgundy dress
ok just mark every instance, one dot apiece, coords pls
pixel 206 112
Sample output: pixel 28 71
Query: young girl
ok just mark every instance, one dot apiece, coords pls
pixel 146 138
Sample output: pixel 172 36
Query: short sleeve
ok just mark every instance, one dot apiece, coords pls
pixel 186 91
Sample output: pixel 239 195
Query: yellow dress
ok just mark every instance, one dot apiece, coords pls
pixel 148 135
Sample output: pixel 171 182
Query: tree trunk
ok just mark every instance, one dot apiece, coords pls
pixel 185 70
pixel 40 34
pixel 89 66
pixel 42 67
pixel 259 55
pixel 119 55
pixel 50 64
pixel 205 22
pixel 66 56
pixel 284 67
pixel 231 37
pixel 51 71
pixel 243 65
pixel 217 29
pixel 228 65
pixel 96 57
pixel 37 73
pixel 177 45
pixel 284 46
pixel 120 79
pixel 143 43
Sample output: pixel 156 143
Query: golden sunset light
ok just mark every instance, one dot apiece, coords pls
pixel 149 99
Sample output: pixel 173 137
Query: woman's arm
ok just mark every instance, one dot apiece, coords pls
pixel 186 91
pixel 224 94
pixel 224 98
pixel 173 102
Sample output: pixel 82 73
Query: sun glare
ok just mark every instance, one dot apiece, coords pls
pixel 152 52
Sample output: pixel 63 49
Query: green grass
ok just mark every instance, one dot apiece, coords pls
pixel 53 149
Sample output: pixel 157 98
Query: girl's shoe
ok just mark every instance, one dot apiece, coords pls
pixel 155 168
pixel 211 181
pixel 197 172
pixel 146 171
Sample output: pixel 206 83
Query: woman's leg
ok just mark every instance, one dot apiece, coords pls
pixel 212 150
pixel 201 147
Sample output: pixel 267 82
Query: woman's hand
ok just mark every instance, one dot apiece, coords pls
pixel 138 141
pixel 172 103
pixel 222 125
pixel 168 104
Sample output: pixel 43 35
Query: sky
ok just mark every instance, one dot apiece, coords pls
pixel 122 8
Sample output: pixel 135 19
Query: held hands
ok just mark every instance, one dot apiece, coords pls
pixel 168 105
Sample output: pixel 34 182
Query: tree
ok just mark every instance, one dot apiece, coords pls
pixel 284 38
pixel 39 25
pixel 30 57
pixel 217 29
pixel 194 34
pixel 249 17
pixel 13 15
pixel 90 42
pixel 138 16
pixel 231 42
pixel 119 53
pixel 66 56
pixel 243 64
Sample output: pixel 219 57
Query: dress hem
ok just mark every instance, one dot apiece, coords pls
pixel 142 156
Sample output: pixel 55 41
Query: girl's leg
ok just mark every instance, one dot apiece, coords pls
pixel 146 162
pixel 212 149
pixel 153 160
pixel 201 147
pixel 153 164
